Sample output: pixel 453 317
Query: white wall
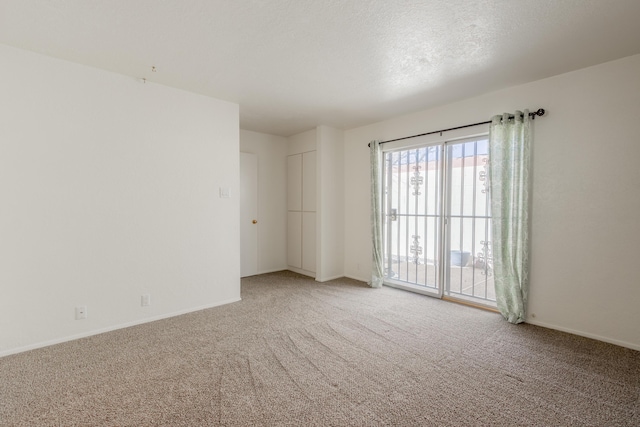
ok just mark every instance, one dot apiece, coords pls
pixel 109 190
pixel 302 142
pixel 586 202
pixel 330 232
pixel 271 151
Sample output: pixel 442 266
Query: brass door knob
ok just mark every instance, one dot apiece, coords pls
pixel 255 221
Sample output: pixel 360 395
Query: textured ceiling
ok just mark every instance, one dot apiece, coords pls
pixel 296 64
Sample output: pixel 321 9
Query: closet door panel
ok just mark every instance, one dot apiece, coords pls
pixel 309 181
pixel 294 239
pixel 294 182
pixel 309 241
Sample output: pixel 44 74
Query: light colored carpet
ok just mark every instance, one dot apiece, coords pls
pixel 297 352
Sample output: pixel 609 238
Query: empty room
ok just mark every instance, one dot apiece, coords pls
pixel 319 213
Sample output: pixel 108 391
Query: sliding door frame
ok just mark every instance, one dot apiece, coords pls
pixel 444 213
pixel 425 290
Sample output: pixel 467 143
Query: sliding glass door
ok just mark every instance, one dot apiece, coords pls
pixel 413 203
pixel 437 220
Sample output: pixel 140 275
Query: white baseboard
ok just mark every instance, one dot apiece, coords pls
pixel 301 271
pixel 326 279
pixel 586 334
pixel 266 272
pixel 113 328
pixel 272 271
pixel 359 279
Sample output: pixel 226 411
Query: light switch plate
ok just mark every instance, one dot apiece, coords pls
pixel 145 301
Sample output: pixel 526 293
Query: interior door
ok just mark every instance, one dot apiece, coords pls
pixel 248 214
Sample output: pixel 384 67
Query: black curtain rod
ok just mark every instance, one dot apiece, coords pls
pixel 533 115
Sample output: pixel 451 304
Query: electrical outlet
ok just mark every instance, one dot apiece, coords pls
pixel 81 312
pixel 146 300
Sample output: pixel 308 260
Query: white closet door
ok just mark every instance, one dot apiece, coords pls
pixel 309 181
pixel 309 241
pixel 294 182
pixel 294 239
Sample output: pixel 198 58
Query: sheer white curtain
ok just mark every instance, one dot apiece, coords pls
pixel 377 272
pixel 510 157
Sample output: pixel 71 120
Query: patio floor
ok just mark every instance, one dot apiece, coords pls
pixel 469 283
